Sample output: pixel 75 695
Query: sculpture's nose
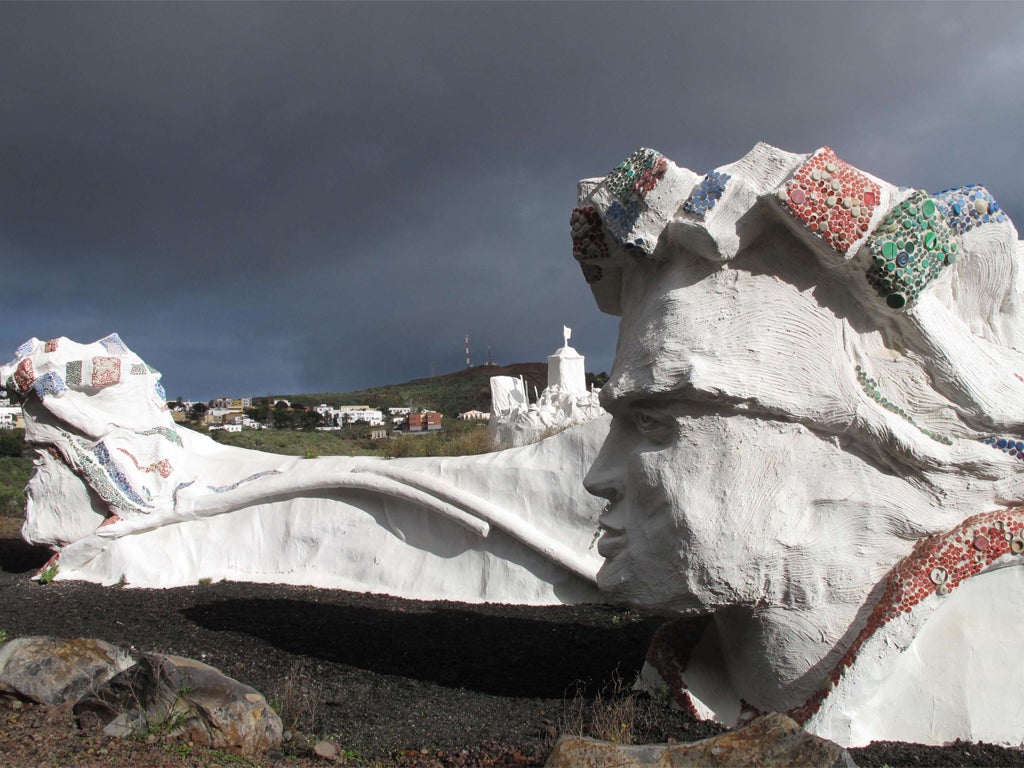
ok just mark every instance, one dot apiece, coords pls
pixel 602 479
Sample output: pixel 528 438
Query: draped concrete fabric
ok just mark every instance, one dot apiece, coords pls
pixel 125 494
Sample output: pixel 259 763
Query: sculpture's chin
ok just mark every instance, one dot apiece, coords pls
pixel 619 584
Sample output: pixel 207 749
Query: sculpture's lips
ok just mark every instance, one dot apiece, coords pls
pixel 612 542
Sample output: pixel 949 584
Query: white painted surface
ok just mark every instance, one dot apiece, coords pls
pixel 751 477
pixel 513 526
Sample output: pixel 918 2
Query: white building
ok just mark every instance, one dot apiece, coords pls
pixel 349 414
pixel 370 416
pixel 10 416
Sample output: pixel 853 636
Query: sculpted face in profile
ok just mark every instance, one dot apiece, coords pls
pixel 813 455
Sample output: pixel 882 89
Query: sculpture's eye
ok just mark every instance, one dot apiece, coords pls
pixel 653 424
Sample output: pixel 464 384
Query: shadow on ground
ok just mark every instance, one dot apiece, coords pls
pixel 503 655
pixel 18 556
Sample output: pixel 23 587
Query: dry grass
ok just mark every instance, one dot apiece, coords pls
pixel 11 526
pixel 617 714
pixel 299 700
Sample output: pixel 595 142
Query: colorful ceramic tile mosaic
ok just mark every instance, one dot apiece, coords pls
pixel 85 463
pixel 138 369
pixel 707 193
pixel 50 383
pixel 24 376
pixel 116 475
pixel 162 467
pixel 167 433
pixel 833 199
pixel 870 387
pixel 620 220
pixel 51 345
pixel 249 479
pixel 632 179
pixel 909 249
pixel 24 350
pixel 587 234
pixel 935 567
pixel 965 208
pixel 73 373
pixel 161 393
pixel 114 345
pixel 106 371
pixel 1008 445
pixel 180 487
pixel 669 653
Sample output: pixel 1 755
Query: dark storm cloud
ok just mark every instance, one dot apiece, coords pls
pixel 295 197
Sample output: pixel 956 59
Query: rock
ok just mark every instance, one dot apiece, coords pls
pixel 327 750
pixel 178 696
pixel 770 741
pixel 55 671
pixel 126 724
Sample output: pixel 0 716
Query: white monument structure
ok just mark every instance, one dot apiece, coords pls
pixel 564 403
pixel 816 456
pixel 123 494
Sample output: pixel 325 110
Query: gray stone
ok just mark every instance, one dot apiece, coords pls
pixel 771 741
pixel 55 671
pixel 175 696
pixel 126 724
pixel 327 749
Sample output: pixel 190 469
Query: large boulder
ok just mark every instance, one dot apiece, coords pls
pixel 770 741
pixel 173 696
pixel 56 671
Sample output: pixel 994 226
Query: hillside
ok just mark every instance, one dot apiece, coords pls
pixel 450 393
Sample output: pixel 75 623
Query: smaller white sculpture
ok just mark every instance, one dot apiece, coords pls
pixel 565 401
pixel 122 493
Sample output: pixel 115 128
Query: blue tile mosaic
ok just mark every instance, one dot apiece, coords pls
pixel 114 345
pixel 50 383
pixel 1010 445
pixel 120 481
pixel 707 193
pixel 968 207
pixel 620 219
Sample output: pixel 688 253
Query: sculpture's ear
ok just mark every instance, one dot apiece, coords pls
pixel 986 287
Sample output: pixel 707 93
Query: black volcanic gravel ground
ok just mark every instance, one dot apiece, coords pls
pixel 392 675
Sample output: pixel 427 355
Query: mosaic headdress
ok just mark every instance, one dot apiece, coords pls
pixel 900 239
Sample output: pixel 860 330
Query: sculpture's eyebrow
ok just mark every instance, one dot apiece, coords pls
pixel 667 405
pixel 629 402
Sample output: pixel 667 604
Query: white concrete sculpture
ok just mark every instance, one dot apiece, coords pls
pixel 122 493
pixel 816 455
pixel 564 403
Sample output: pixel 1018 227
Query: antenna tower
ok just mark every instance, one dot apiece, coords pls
pixel 467 350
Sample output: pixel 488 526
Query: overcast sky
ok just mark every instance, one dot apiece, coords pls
pixel 303 197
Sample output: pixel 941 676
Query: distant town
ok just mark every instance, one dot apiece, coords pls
pixel 236 414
